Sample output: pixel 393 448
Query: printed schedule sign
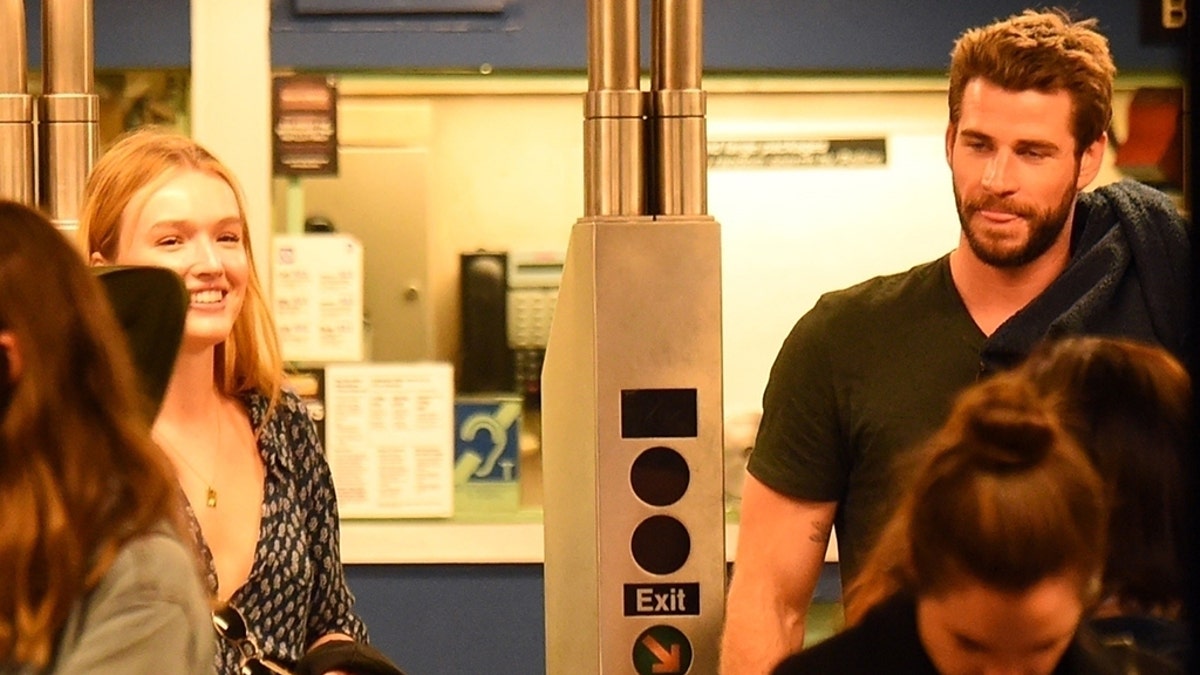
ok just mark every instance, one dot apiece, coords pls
pixel 317 291
pixel 389 431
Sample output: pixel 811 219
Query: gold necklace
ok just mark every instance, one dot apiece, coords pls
pixel 210 494
pixel 210 497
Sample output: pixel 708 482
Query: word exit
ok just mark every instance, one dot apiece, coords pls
pixel 662 599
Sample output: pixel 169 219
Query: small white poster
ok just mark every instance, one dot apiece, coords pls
pixel 389 438
pixel 317 287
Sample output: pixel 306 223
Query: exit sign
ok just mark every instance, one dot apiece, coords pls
pixel 662 599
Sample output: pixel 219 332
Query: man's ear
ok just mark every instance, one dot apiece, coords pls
pixel 1090 161
pixel 951 130
pixel 96 259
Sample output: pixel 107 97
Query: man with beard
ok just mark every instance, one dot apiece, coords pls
pixel 871 370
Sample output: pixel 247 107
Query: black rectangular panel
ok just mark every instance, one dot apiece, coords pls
pixel 658 413
pixel 390 7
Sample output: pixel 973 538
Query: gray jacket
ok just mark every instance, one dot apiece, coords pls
pixel 148 615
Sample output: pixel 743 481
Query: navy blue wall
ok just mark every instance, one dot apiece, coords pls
pixel 739 35
pixel 435 619
pixel 130 34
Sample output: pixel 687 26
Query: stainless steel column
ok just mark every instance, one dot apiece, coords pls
pixel 632 427
pixel 68 109
pixel 680 185
pixel 17 170
pixel 614 145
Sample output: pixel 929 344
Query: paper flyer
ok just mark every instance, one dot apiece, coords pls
pixel 317 292
pixel 389 431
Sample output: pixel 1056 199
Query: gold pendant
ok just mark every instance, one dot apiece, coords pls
pixel 211 501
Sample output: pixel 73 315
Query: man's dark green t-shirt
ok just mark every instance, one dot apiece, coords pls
pixel 865 376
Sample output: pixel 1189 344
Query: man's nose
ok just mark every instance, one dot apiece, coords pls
pixel 997 177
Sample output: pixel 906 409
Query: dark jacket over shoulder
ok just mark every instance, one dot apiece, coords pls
pixel 1129 275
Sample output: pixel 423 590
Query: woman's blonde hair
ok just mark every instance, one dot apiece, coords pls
pixel 249 360
pixel 79 473
pixel 1002 495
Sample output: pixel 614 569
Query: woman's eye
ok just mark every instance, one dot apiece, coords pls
pixel 169 241
pixel 231 237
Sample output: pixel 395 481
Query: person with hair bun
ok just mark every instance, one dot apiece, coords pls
pixel 1128 404
pixel 992 559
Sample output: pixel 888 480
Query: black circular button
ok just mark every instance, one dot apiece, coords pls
pixel 660 544
pixel 659 476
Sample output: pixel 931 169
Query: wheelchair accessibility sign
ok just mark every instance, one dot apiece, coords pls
pixel 662 650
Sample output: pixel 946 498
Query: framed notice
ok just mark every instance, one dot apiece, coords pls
pixel 389 431
pixel 304 125
pixel 317 296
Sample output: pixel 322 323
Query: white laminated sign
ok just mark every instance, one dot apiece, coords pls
pixel 317 287
pixel 389 435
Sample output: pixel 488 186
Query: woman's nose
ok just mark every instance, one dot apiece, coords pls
pixel 205 256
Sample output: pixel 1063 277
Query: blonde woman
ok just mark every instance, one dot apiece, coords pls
pixel 261 501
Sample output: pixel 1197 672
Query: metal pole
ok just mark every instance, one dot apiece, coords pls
pixel 613 162
pixel 680 155
pixel 69 109
pixel 17 173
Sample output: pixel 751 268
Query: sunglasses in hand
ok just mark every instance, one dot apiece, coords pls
pixel 231 625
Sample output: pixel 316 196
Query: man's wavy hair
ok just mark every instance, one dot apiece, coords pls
pixel 1046 52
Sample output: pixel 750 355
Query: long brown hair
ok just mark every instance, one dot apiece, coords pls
pixel 1129 405
pixel 1001 495
pixel 249 360
pixel 1043 51
pixel 79 474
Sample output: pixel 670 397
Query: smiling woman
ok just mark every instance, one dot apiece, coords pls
pixel 261 503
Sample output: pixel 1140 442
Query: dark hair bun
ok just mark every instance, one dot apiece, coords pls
pixel 1008 422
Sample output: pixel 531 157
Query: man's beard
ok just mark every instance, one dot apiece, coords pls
pixel 1045 226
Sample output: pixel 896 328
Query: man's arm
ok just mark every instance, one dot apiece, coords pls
pixel 780 554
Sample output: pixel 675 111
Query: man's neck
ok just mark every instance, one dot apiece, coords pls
pixel 993 294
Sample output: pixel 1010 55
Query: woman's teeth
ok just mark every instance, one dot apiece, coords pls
pixel 207 297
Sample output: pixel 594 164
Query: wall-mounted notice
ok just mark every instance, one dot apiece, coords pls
pixel 304 125
pixel 796 152
pixel 317 291
pixel 389 430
